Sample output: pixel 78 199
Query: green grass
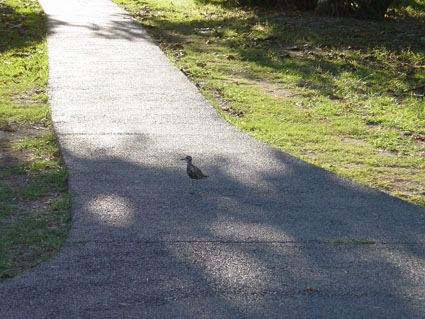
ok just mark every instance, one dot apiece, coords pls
pixel 351 241
pixel 409 9
pixel 34 199
pixel 343 94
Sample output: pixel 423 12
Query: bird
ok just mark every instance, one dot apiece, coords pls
pixel 193 171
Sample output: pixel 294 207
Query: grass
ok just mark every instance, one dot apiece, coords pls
pixel 344 94
pixel 34 199
pixel 351 241
pixel 410 9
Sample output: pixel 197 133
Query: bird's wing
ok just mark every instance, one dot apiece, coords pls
pixel 199 173
pixel 195 172
pixel 191 173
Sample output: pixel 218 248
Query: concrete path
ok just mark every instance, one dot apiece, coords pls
pixel 257 240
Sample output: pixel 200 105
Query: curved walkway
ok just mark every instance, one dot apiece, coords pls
pixel 265 236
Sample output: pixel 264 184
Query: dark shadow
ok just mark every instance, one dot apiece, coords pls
pixel 265 236
pixel 275 240
pixel 225 4
pixel 124 28
pixel 258 4
pixel 304 42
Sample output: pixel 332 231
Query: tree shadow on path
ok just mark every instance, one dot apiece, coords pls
pixel 265 236
pixel 252 242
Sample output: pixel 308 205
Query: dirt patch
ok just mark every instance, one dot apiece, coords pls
pixel 241 77
pixel 273 89
pixel 10 156
pixel 353 141
pixel 270 88
pixel 34 220
pixel 13 178
pixel 309 154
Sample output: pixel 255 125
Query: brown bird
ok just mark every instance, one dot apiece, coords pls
pixel 193 171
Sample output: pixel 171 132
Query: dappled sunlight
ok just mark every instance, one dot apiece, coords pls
pixel 247 242
pixel 411 268
pixel 340 80
pixel 234 270
pixel 111 210
pixel 225 266
pixel 231 229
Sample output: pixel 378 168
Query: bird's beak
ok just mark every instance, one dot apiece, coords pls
pixel 182 159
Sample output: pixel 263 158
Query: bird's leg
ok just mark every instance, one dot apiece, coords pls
pixel 192 192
